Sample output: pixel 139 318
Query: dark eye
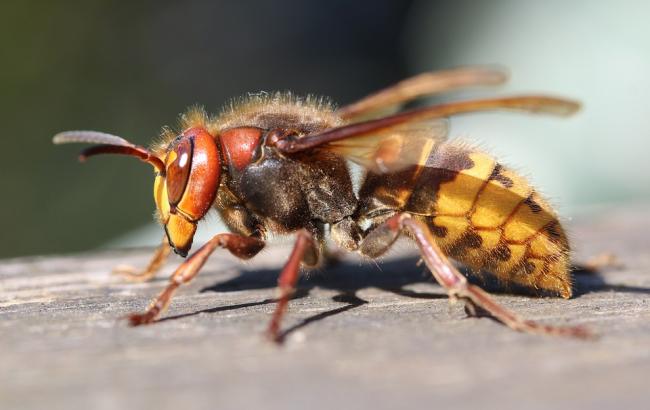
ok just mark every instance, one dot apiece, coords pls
pixel 178 171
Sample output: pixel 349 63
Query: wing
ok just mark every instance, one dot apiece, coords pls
pixel 108 144
pixel 392 142
pixel 393 148
pixel 390 98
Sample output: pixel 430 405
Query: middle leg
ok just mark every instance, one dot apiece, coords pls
pixel 288 279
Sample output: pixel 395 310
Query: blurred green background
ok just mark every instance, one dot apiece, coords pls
pixel 129 68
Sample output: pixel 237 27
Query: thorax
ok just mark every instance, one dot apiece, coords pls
pixel 282 193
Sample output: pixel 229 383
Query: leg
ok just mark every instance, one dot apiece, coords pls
pixel 244 247
pixel 287 281
pixel 451 279
pixel 602 261
pixel 157 262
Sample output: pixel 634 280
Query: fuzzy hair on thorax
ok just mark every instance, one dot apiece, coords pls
pixel 280 110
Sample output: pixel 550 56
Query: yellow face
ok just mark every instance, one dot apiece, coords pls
pixel 180 231
pixel 186 191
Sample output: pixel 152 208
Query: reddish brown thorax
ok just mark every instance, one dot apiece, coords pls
pixel 240 145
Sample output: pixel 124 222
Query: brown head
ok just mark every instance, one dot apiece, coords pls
pixel 186 190
pixel 188 167
pixel 187 176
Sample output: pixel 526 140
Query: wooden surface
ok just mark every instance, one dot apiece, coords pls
pixel 358 336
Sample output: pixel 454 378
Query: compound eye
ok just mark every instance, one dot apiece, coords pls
pixel 179 164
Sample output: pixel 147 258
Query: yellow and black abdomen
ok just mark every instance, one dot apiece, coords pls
pixel 482 214
pixel 490 218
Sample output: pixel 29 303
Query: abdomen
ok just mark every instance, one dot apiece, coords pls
pixel 486 216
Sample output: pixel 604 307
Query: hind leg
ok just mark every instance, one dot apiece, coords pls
pixel 476 299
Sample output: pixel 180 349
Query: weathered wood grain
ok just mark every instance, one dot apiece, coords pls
pixel 358 336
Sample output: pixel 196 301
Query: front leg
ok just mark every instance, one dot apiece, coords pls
pixel 157 261
pixel 244 247
pixel 383 236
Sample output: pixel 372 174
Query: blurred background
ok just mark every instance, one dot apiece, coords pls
pixel 130 67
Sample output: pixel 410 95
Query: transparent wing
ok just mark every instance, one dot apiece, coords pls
pixel 388 143
pixel 430 83
pixel 393 148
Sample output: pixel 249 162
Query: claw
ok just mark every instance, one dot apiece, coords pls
pixel 137 319
pixel 274 336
